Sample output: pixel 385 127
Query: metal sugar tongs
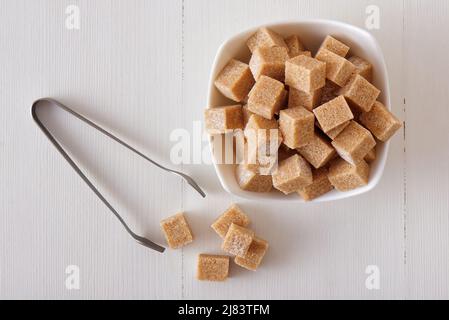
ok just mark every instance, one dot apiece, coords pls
pixel 141 240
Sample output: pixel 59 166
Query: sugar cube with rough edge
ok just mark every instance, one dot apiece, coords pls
pixel 336 131
pixel 237 240
pixel 249 178
pixel 176 230
pixel 333 113
pixel 380 121
pixel 232 215
pixel 235 80
pixel 269 62
pixel 297 126
pixel 329 92
pixel 305 73
pixel 223 119
pixel 371 156
pixel 266 97
pixel 335 46
pixel 295 45
pixel 360 93
pixel 345 176
pixel 265 37
pixel 212 267
pixel 309 100
pixel 320 185
pixel 354 143
pixel 338 69
pixel 363 67
pixel 318 151
pixel 252 259
pixel 302 53
pixel 292 174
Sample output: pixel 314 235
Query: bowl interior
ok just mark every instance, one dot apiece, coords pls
pixel 312 34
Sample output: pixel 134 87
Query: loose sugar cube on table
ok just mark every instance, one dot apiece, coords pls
pixel 212 267
pixel 250 178
pixel 380 121
pixel 305 73
pixel 292 174
pixel 223 119
pixel 176 231
pixel 333 113
pixel 320 185
pixel 338 69
pixel 232 215
pixel 354 143
pixel 266 97
pixel 237 240
pixel 265 37
pixel 345 176
pixel 252 259
pixel 360 93
pixel 309 100
pixel 318 151
pixel 363 67
pixel 270 62
pixel 335 46
pixel 235 80
pixel 297 126
pixel 295 46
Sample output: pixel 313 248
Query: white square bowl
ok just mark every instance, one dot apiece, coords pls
pixel 312 33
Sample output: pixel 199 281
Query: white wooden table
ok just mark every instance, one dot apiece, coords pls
pixel 141 68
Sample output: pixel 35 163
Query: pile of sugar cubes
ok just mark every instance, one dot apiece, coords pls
pixel 238 241
pixel 324 108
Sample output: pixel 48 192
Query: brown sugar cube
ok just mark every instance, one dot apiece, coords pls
pixel 297 126
pixel 305 73
pixel 335 46
pixel 176 231
pixel 292 174
pixel 269 62
pixel 329 92
pixel 354 143
pixel 232 215
pixel 333 113
pixel 235 80
pixel 249 178
pixel 223 119
pixel 360 93
pixel 336 131
pixel 338 69
pixel 318 151
pixel 319 186
pixel 246 114
pixel 380 121
pixel 265 37
pixel 309 100
pixel 295 46
pixel 345 176
pixel 363 67
pixel 212 267
pixel 263 137
pixel 237 240
pixel 371 156
pixel 266 97
pixel 252 259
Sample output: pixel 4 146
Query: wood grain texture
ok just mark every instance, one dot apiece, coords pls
pixel 141 68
